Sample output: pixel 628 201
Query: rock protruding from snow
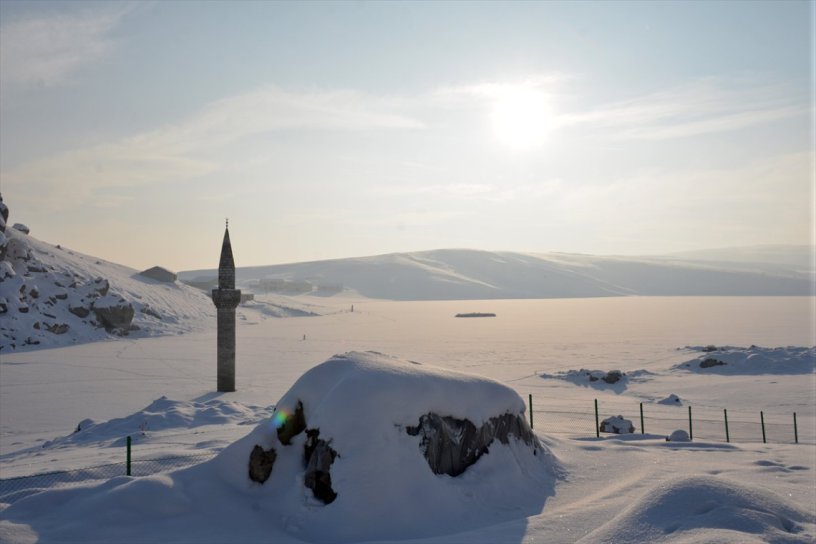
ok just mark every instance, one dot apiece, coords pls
pixel 451 445
pixel 671 400
pixel 318 456
pixel 114 313
pixel 752 360
pixel 261 462
pixel 617 424
pixel 678 436
pixel 22 228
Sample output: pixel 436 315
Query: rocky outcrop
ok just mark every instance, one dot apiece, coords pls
pixel 22 228
pixel 451 445
pixel 115 314
pixel 290 425
pixel 617 425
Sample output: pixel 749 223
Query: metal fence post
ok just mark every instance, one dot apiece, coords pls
pixel 128 457
pixel 762 420
pixel 691 434
pixel 642 426
pixel 597 423
pixel 531 410
pixel 795 430
pixel 725 414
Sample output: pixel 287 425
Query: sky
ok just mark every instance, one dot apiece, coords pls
pixel 130 131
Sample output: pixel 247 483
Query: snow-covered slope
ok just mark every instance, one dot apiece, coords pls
pixel 53 296
pixel 459 274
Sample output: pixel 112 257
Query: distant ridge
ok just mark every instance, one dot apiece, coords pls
pixel 466 274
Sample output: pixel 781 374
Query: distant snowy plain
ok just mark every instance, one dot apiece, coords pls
pixel 633 488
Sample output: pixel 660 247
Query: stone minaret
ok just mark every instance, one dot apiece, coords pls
pixel 226 298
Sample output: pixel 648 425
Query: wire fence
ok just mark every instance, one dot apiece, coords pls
pixel 705 423
pixel 656 420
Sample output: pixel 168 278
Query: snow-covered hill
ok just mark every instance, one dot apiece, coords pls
pixel 459 274
pixel 52 296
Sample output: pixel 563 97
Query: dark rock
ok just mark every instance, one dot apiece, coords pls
pixel 617 425
pixel 61 296
pixel 23 308
pixel 613 376
pixel 79 311
pixel 31 342
pixel 291 425
pixel 318 457
pixel 147 310
pixel 709 348
pixel 101 286
pixel 34 293
pixel 260 463
pixel 3 306
pixel 46 314
pixel 35 268
pixel 116 316
pixel 451 445
pixel 57 328
pixel 22 228
pixel 37 325
pixel 708 363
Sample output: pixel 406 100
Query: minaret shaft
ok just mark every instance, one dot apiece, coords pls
pixel 226 298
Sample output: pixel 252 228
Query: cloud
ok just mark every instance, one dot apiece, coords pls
pixel 705 106
pixel 196 146
pixel 48 50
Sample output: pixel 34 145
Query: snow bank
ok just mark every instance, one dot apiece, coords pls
pixel 161 415
pixel 705 509
pixel 751 360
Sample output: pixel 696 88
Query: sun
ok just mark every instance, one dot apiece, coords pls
pixel 521 118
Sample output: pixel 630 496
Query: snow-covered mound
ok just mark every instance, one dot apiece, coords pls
pixel 751 360
pixel 613 380
pixel 51 296
pixel 671 400
pixel 161 415
pixel 706 509
pixel 357 413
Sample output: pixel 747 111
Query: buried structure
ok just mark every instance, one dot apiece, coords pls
pixel 397 447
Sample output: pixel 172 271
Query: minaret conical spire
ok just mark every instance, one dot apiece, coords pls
pixel 226 266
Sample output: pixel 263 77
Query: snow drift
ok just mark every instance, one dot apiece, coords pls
pixel 706 509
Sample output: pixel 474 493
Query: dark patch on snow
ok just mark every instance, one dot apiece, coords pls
pixel 708 363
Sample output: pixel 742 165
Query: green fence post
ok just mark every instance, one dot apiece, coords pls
pixel 642 426
pixel 597 423
pixel 128 456
pixel 762 420
pixel 531 410
pixel 725 414
pixel 691 434
pixel 795 430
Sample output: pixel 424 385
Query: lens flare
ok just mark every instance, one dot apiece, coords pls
pixel 279 419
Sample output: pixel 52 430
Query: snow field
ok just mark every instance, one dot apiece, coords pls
pixel 610 489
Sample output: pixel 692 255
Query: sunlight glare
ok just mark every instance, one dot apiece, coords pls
pixel 521 118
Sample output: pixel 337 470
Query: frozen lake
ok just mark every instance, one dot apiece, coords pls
pixel 49 391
